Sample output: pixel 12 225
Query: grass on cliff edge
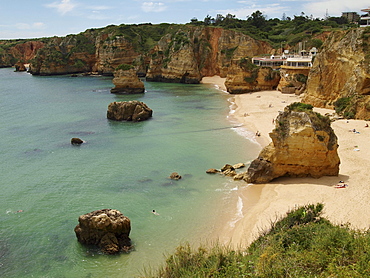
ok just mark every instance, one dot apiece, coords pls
pixel 302 244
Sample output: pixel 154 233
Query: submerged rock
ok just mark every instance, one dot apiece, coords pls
pixel 303 145
pixel 129 111
pixel 108 229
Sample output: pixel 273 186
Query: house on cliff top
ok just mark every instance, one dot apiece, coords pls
pixel 365 19
pixel 287 61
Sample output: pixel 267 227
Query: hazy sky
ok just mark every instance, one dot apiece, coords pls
pixel 45 18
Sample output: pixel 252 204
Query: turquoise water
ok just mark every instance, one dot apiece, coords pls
pixel 123 166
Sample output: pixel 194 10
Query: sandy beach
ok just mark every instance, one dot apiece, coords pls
pixel 259 205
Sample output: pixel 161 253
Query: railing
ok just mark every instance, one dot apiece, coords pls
pixel 294 67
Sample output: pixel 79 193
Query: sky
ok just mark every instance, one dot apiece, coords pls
pixel 47 18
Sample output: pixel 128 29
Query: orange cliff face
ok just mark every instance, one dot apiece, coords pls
pixel 26 51
pixel 22 52
pixel 195 52
pixel 182 54
pixel 341 70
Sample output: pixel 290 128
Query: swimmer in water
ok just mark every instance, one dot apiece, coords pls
pixel 154 212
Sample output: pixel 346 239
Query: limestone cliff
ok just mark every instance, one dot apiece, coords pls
pixel 71 54
pixel 303 144
pixel 126 81
pixel 22 52
pixel 342 70
pixel 193 52
pixel 112 51
pixel 244 77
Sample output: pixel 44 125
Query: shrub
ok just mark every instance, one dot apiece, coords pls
pixel 300 107
pixel 124 67
pixel 301 244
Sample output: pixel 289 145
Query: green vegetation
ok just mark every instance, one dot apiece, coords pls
pixel 302 244
pixel 346 107
pixel 142 36
pixel 124 67
pixel 319 122
pixel 278 32
pixel 300 107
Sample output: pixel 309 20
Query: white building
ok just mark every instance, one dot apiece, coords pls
pixel 365 19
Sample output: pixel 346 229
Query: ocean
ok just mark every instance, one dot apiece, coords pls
pixel 47 183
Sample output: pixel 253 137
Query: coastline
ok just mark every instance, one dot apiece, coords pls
pixel 260 204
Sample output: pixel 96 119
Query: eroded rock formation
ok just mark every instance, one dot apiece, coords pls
pixel 129 111
pixel 126 81
pixel 303 145
pixel 244 77
pixel 108 229
pixel 341 69
pixel 194 52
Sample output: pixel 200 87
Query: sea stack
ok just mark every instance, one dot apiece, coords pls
pixel 108 229
pixel 129 111
pixel 303 145
pixel 126 81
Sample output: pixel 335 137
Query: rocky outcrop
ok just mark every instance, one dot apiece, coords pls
pixel 107 229
pixel 293 81
pixel 126 81
pixel 341 70
pixel 20 67
pixel 244 77
pixel 129 111
pixel 303 145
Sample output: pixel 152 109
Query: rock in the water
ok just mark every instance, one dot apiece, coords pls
pixel 126 81
pixel 229 173
pixel 175 176
pixel 227 167
pixel 76 141
pixel 303 145
pixel 108 229
pixel 212 171
pixel 238 165
pixel 129 111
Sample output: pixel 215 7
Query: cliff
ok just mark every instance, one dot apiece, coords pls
pixel 23 51
pixel 164 52
pixel 193 52
pixel 244 77
pixel 71 54
pixel 303 144
pixel 341 70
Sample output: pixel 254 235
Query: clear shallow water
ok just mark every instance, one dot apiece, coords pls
pixel 123 166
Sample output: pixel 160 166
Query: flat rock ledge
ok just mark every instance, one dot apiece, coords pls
pixel 129 111
pixel 107 229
